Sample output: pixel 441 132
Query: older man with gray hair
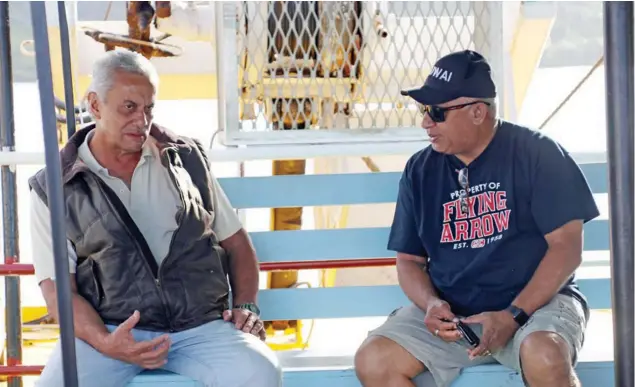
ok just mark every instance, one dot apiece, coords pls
pixel 154 246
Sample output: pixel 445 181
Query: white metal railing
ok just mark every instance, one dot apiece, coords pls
pixel 293 152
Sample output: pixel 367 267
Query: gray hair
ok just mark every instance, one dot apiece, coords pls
pixel 114 61
pixel 492 108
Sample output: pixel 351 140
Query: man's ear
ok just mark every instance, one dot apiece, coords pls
pixel 94 105
pixel 479 113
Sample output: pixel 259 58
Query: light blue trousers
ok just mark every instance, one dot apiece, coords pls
pixel 216 354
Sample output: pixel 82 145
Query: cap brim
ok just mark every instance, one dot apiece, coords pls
pixel 428 96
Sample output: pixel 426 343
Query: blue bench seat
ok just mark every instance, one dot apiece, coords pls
pixel 311 369
pixel 331 364
pixel 592 373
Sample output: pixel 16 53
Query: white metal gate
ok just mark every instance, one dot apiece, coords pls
pixel 310 72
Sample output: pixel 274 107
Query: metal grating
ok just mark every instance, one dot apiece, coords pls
pixel 313 71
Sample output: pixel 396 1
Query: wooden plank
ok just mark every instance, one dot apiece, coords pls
pixel 340 189
pixel 372 301
pixel 356 243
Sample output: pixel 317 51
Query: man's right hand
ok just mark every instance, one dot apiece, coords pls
pixel 441 321
pixel 120 344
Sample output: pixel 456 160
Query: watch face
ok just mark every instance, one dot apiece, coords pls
pixel 519 315
pixel 250 307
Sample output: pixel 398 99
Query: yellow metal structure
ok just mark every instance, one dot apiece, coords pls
pixel 529 40
pixel 286 219
pixel 33 313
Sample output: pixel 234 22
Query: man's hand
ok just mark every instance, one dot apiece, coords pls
pixel 437 312
pixel 498 328
pixel 246 321
pixel 121 345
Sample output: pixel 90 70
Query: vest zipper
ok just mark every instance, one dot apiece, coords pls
pixel 177 230
pixel 178 222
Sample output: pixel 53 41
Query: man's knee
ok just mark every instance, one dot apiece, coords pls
pixel 379 357
pixel 546 355
pixel 265 369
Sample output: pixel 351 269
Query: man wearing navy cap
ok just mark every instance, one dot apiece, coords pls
pixel 488 231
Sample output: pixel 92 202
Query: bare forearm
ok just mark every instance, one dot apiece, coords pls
pixel 88 326
pixel 244 278
pixel 552 273
pixel 415 281
pixel 243 268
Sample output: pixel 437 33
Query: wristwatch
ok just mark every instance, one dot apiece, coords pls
pixel 250 306
pixel 520 316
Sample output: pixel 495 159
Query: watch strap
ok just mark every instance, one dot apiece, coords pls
pixel 520 316
pixel 250 306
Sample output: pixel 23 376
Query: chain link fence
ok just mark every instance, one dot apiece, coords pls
pixel 314 71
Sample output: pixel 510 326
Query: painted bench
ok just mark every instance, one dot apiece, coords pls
pixel 308 369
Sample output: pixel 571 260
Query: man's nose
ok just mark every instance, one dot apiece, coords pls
pixel 143 118
pixel 427 122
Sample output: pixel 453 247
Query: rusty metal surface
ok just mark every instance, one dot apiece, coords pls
pixel 140 17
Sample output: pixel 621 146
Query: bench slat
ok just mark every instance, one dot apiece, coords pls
pixel 372 301
pixel 340 189
pixel 355 243
pixel 311 190
pixel 591 374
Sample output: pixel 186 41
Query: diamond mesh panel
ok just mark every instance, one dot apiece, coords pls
pixel 340 65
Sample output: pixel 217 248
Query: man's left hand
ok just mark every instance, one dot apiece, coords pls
pixel 246 321
pixel 498 329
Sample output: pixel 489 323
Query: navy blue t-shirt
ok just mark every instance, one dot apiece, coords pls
pixel 522 187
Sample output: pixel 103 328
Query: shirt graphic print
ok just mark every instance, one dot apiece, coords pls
pixel 485 222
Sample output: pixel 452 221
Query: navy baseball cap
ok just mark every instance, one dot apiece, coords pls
pixel 460 74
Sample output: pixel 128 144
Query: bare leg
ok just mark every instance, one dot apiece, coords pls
pixel 546 361
pixel 381 362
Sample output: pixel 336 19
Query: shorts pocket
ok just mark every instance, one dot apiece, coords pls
pixel 570 310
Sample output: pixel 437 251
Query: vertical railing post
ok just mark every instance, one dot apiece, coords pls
pixel 55 193
pixel 67 70
pixel 618 54
pixel 13 318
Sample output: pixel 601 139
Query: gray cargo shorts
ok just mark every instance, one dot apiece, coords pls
pixel 563 315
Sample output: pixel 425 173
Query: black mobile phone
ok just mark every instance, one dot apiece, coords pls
pixel 468 334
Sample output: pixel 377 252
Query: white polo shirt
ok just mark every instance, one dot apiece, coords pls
pixel 152 202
